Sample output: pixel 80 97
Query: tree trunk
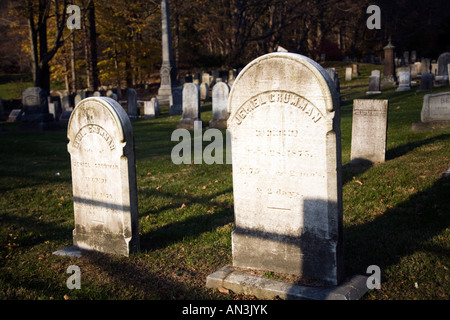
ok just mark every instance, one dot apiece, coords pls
pixel 92 62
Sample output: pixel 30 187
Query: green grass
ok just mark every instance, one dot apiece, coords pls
pixel 396 214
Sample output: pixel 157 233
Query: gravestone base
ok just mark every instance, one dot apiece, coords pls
pixel 430 126
pixel 69 252
pixel 372 92
pixel 263 288
pixel 441 81
pixel 218 124
pixel 189 123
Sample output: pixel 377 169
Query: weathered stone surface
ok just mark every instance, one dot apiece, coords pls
pixel 191 106
pixel 263 288
pixel 101 147
pixel 132 105
pixel 220 94
pixel 286 155
pixel 369 130
pixel 436 107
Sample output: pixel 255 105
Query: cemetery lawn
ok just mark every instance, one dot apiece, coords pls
pixel 396 214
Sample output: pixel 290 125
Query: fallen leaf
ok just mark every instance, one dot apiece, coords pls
pixel 204 187
pixel 147 217
pixel 66 297
pixel 62 198
pixel 183 206
pixel 357 181
pixel 158 188
pixel 223 290
pixel 149 173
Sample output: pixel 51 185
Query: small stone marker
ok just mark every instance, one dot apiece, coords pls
pixel 132 105
pixel 284 115
pixel 436 107
pixel 204 91
pixel 426 82
pixel 149 109
pixel 35 106
pixel 374 85
pixel 404 80
pixel 348 74
pixel 14 115
pixel 191 106
pixel 369 130
pixel 103 165
pixel 220 94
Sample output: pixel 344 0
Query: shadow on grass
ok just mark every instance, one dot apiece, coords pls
pixel 189 227
pixel 408 147
pixel 399 231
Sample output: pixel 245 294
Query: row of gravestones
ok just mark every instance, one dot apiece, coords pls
pixel 284 120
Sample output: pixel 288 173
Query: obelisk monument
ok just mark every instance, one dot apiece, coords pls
pixel 168 70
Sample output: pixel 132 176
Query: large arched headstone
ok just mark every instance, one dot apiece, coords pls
pixel 286 155
pixel 101 147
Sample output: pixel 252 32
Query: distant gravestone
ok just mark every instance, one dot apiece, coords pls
pixel 77 99
pixel 132 106
pixel 35 106
pixel 96 94
pixel 376 73
pixel 103 165
pixel 335 77
pixel 355 70
pixel 15 115
pixel 348 74
pixel 442 75
pixel 436 107
pixel 204 91
pixel 176 103
pixel 284 124
pixel 374 85
pixel 425 66
pixel 151 108
pixel 220 94
pixel 369 130
pixel 404 81
pixel 426 82
pixel 191 106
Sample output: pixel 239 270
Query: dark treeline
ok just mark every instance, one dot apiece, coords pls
pixel 120 41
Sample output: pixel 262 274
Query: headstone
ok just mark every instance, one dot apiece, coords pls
pixel 418 66
pixel 441 68
pixel 204 92
pixel 348 74
pixel 426 82
pixel 413 56
pixel 219 106
pixel 376 73
pixel 65 117
pixel 168 71
pixel 97 94
pixel 404 80
pixel 77 99
pixel 355 70
pixel 286 157
pixel 54 108
pixel 425 66
pixel 177 101
pixel 434 68
pixel 369 130
pixel 414 71
pixel 435 112
pixel 109 93
pixel 132 106
pixel 119 93
pixel 114 97
pixel 15 115
pixel 191 106
pixel 151 109
pixel 389 77
pixel 406 57
pixel 436 107
pixel 374 85
pixel 35 108
pixel 103 165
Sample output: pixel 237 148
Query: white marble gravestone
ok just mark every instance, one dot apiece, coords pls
pixel 286 156
pixel 436 107
pixel 101 147
pixel 191 106
pixel 220 94
pixel 369 130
